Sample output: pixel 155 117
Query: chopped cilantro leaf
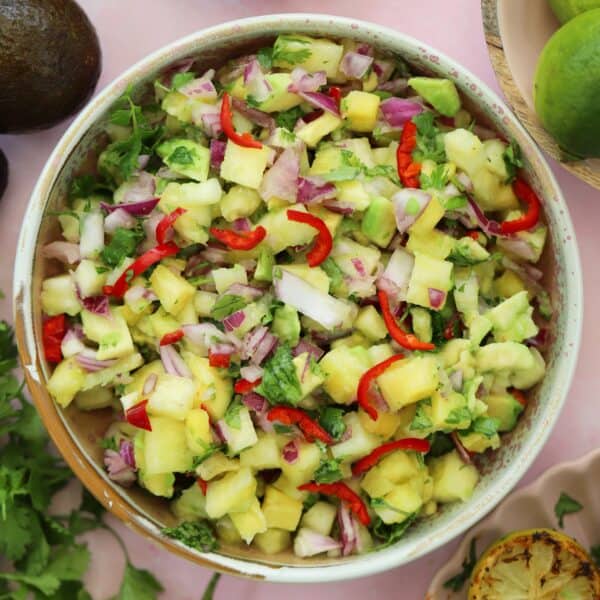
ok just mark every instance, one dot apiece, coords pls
pixel 290 50
pixel 390 534
pixel 288 118
pixel 458 416
pixel 440 443
pixel 226 305
pixel 436 180
pixel 335 274
pixel 430 145
pixel 421 421
pixel 181 156
pixel 265 58
pixel 329 471
pixel 457 582
pixel 138 584
pixel 331 419
pixel 180 79
pixel 252 101
pixel 280 384
pixel 565 505
pixel 513 160
pixel 123 243
pixel 197 535
pixel 486 426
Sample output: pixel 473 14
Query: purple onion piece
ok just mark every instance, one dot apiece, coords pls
pixel 305 346
pixel 217 153
pixel 355 64
pixel 321 101
pixel 97 304
pixel 137 209
pixel 66 252
pixel 234 320
pixel 312 190
pixel 290 452
pixel 436 297
pixel 397 111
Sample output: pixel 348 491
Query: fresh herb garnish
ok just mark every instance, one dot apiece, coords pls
pixel 197 535
pixel 291 50
pixel 209 592
pixel 331 419
pixel 265 58
pixel 226 305
pixel 430 145
pixel 180 79
pixel 85 186
pixel 437 179
pixel 457 582
pixel 421 421
pixel 513 159
pixel 565 505
pixel 123 243
pixel 335 274
pixel 440 444
pixel 329 471
pixel 280 384
pixel 389 534
pixel 287 118
pixel 486 426
pixel 458 415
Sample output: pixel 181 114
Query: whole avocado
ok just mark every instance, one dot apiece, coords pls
pixel 49 62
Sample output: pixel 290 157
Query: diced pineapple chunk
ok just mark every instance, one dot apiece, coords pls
pixel 239 202
pixel 111 333
pixel 66 380
pixel 165 448
pixel 250 522
pixel 264 454
pixel 375 484
pixel 226 531
pixel 58 296
pixel 370 323
pixel 312 54
pixel 312 133
pixel 172 397
pixel 408 381
pixel 320 517
pixel 191 505
pixel 385 425
pixel 244 165
pixel 197 432
pixel 273 541
pixel 429 273
pixel 173 291
pixel 360 110
pixel 309 375
pixel 281 232
pixel 400 466
pixel 360 442
pixel 303 468
pixel 204 302
pixel 226 277
pixel 380 352
pixel 452 478
pixel 313 275
pixel 240 435
pixel 344 367
pixel 399 504
pixel 280 510
pixel 233 493
pixel 217 464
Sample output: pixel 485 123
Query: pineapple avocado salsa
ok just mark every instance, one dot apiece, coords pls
pixel 305 284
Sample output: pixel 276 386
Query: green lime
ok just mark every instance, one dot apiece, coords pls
pixel 565 10
pixel 536 564
pixel 567 85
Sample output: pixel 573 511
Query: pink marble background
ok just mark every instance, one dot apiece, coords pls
pixel 130 29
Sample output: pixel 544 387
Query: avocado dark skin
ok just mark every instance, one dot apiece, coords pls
pixel 49 62
pixel 3 173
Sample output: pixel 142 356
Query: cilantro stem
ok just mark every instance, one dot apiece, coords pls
pixel 210 588
pixel 117 537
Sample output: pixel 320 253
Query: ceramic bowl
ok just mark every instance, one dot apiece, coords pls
pixel 516 33
pixel 533 507
pixel 76 433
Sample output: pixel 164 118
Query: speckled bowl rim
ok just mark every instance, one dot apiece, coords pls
pixel 361 566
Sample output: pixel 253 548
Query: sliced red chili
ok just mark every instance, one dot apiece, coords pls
pixel 145 261
pixel 363 393
pixel 171 338
pixel 343 492
pixel 323 243
pixel 526 195
pixel 137 416
pixel 406 340
pixel 166 223
pixel 203 485
pixel 240 240
pixel 364 464
pixel 295 416
pixel 243 386
pixel 519 396
pixel 241 139
pixel 53 332
pixel 408 170
pixel 336 93
pixel 216 359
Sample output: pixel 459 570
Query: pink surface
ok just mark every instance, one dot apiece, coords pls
pixel 130 29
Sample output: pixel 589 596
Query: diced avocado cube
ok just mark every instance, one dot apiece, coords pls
pixel 58 296
pixel 452 479
pixel 523 379
pixel 286 324
pixel 312 54
pixel 233 493
pixel 239 202
pixel 467 252
pixel 312 133
pixel 378 222
pixel 264 265
pixel 408 381
pixel 479 327
pixel 165 448
pixel 360 110
pixel 505 408
pixel 244 165
pixel 280 510
pixel 429 274
pixel 173 291
pixel 512 319
pixel 440 93
pixel 343 367
pixel 371 324
pixel 186 157
pixel 224 278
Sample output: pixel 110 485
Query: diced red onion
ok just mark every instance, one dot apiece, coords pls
pixel 280 181
pixel 97 305
pixel 341 208
pixel 138 292
pixel 310 543
pixel 208 116
pixel 359 266
pixel 451 191
pixel 314 189
pixel 365 49
pixel 142 161
pixel 305 346
pixel 234 320
pixel 397 111
pixel 405 198
pixel 222 349
pixel 139 189
pixel 207 335
pixel 307 118
pixel 91 364
pixel 66 252
pixel 383 69
pixel 251 373
pixel 218 433
pixel 173 363
pixel 255 81
pixel 118 470
pixel 166 173
pixel 266 345
pixel 215 256
pixel 462 451
pixel 217 153
pixel 91 241
pixel 456 380
pixel 127 453
pixel 347 529
pixel 347 432
pixel 397 274
pixel 290 452
pixel 255 402
pixel 149 226
pixel 394 86
pixel 302 81
pixel 355 65
pixel 517 246
pixel 150 384
pixel 436 297
pixel 260 118
pixel 251 341
pixel 378 400
pixel 488 226
pixel 200 88
pixel 322 101
pixel 72 344
pixel 140 208
pixel 310 301
pixel 483 133
pixel 465 181
pixel 539 341
pixel 117 219
pixel 242 224
pixel 245 291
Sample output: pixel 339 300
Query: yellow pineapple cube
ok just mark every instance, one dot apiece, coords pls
pixel 281 511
